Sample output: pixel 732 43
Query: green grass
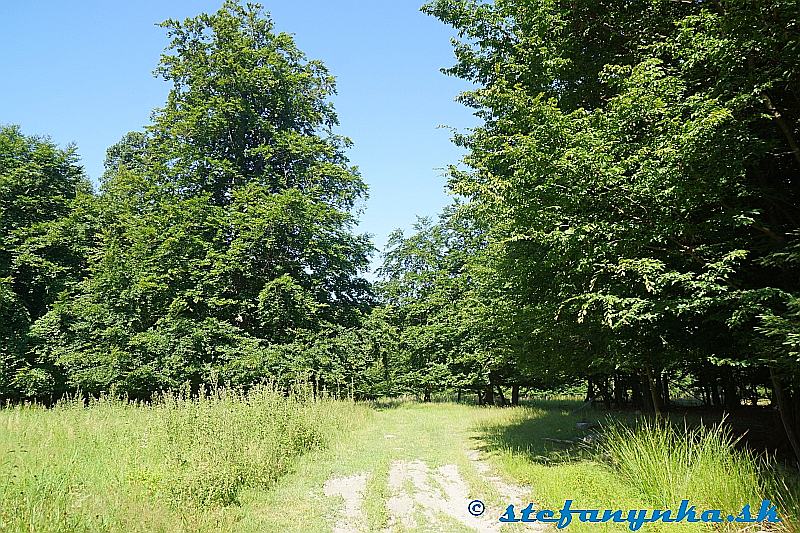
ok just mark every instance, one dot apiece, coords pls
pixel 174 465
pixel 633 464
pixel 258 463
pixel 518 439
pixel 668 463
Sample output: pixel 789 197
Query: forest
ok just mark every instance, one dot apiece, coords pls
pixel 626 220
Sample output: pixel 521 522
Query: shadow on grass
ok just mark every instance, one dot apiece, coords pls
pixel 547 431
pixel 395 402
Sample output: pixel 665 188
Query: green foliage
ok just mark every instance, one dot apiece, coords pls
pixel 636 178
pixel 247 107
pixel 46 230
pixel 451 319
pixel 222 235
pixel 14 324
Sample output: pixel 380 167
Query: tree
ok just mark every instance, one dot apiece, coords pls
pixel 452 322
pixel 45 232
pixel 637 169
pixel 227 233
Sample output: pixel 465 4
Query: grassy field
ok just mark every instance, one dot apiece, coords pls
pixel 262 463
pixel 173 465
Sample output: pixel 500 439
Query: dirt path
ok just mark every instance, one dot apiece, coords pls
pixel 420 495
pixel 351 490
pixel 412 468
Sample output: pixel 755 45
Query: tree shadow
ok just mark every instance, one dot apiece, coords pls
pixel 547 431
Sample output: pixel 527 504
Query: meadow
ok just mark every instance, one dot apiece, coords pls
pixel 174 464
pixel 226 461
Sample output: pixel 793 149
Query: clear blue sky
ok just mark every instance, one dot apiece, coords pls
pixel 81 71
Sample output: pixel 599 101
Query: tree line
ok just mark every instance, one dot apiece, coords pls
pixel 219 246
pixel 626 217
pixel 632 198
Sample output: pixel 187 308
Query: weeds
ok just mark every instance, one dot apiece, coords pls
pixel 112 465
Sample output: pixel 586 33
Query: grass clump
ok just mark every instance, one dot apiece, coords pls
pixel 216 445
pixel 667 464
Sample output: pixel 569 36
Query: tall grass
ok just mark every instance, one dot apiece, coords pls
pixel 176 464
pixel 667 464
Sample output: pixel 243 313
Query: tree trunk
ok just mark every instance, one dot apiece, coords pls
pixel 590 394
pixel 607 392
pixel 619 391
pixel 654 392
pixel 427 395
pixel 489 395
pixel 502 400
pixel 732 401
pixel 782 125
pixel 715 399
pixel 786 417
pixel 458 395
pixel 636 393
pixel 665 388
pixel 514 394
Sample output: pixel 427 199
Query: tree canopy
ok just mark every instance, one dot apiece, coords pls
pixel 220 233
pixel 637 172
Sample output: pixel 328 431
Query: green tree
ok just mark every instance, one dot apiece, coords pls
pixel 46 228
pixel 452 323
pixel 637 169
pixel 227 234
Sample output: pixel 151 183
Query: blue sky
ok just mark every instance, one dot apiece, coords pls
pixel 81 72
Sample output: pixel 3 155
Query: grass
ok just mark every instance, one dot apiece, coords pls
pixel 668 464
pixel 176 464
pixel 633 464
pixel 517 438
pixel 228 462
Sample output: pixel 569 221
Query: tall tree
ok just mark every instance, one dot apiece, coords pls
pixel 45 231
pixel 228 224
pixel 638 170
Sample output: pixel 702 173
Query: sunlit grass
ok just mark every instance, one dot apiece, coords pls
pixel 218 462
pixel 176 464
pixel 632 463
pixel 667 463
